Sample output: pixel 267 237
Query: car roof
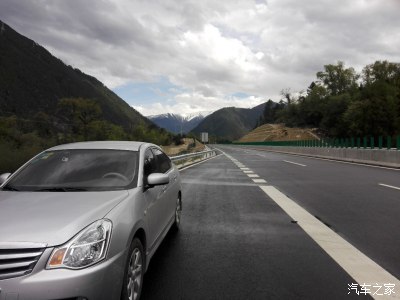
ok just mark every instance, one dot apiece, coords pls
pixel 114 145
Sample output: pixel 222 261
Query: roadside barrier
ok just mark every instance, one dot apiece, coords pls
pixel 191 158
pixel 367 142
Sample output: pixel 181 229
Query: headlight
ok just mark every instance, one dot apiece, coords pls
pixel 85 249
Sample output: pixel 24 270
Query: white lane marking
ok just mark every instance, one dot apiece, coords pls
pixel 360 267
pixel 350 163
pixel 253 175
pixel 247 171
pixel 295 163
pixel 333 160
pixel 243 169
pixel 389 186
pixel 259 181
pixel 199 162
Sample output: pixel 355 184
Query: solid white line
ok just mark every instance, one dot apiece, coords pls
pixel 295 163
pixel 389 186
pixel 360 267
pixel 200 162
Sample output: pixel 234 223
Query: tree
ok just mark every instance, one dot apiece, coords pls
pixel 287 96
pixel 382 71
pixel 79 113
pixel 271 109
pixel 375 113
pixel 333 111
pixel 337 79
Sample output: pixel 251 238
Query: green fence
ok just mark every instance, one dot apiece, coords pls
pixel 369 142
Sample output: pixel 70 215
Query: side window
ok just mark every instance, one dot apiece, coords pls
pixel 149 163
pixel 163 161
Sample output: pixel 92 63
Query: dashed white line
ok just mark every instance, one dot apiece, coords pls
pixel 259 180
pixel 295 163
pixel 389 186
pixel 247 171
pixel 253 175
pixel 359 266
pixel 333 160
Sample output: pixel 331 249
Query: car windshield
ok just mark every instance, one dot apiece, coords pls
pixel 78 170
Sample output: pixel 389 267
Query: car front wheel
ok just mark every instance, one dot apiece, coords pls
pixel 134 271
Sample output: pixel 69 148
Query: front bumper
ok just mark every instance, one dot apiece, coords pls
pixel 98 282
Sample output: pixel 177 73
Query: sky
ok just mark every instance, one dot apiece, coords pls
pixel 188 56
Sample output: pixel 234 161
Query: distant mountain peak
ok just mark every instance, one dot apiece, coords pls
pixel 191 116
pixel 177 123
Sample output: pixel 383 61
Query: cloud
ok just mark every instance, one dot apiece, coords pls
pixel 188 103
pixel 208 50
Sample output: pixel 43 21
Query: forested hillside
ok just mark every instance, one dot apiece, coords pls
pixel 343 103
pixel 230 123
pixel 44 102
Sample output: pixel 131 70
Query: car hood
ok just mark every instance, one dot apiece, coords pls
pixel 52 218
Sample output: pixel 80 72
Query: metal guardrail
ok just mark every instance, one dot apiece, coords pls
pixel 388 143
pixel 191 158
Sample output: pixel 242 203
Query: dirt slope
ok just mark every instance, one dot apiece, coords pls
pixel 278 132
pixel 186 147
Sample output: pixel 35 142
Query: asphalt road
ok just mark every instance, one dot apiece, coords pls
pixel 237 243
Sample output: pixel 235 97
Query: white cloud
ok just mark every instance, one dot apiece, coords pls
pixel 188 103
pixel 210 49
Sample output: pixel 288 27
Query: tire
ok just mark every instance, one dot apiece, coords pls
pixel 134 272
pixel 178 212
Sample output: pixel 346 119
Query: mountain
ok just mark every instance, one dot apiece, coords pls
pixel 33 80
pixel 230 123
pixel 176 123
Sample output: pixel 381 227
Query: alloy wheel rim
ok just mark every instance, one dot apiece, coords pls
pixel 134 274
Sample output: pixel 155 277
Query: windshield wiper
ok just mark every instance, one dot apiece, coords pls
pixel 10 188
pixel 61 189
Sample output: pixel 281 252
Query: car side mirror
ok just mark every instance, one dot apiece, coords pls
pixel 4 177
pixel 157 179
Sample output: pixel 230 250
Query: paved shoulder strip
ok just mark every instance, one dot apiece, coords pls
pixel 195 164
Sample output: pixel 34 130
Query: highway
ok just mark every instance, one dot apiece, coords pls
pixel 262 225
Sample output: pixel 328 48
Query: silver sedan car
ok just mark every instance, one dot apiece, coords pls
pixel 82 221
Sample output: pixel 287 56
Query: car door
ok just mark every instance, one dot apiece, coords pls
pixel 170 193
pixel 154 200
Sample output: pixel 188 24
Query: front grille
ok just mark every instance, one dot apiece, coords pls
pixel 17 262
